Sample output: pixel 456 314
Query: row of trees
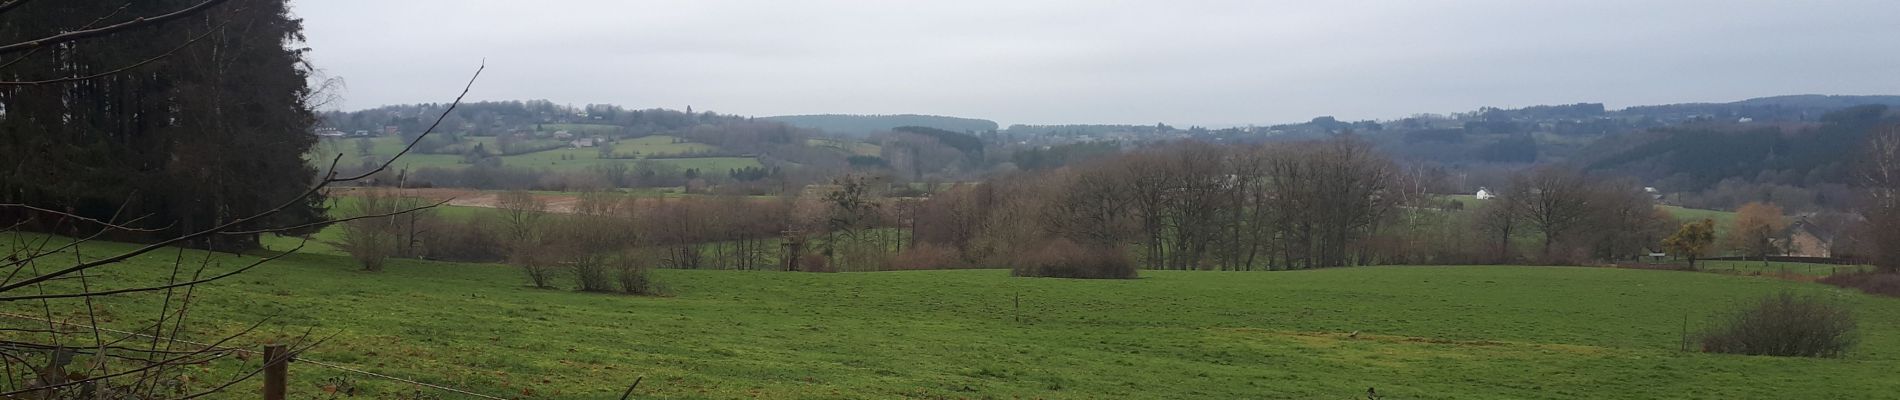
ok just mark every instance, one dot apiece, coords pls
pixel 850 225
pixel 1186 206
pixel 1573 217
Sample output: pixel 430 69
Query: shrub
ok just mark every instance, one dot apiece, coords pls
pixel 1784 324
pixel 370 241
pixel 540 271
pixel 591 274
pixel 1065 259
pixel 633 277
pixel 814 263
pixel 924 256
pixel 1879 283
pixel 541 275
pixel 465 241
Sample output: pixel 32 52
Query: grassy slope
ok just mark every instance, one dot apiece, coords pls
pixel 581 158
pixel 852 147
pixel 1425 332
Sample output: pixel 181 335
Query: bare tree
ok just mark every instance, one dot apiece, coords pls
pixel 1880 181
pixel 371 240
pixel 1497 220
pixel 1554 201
pixel 523 230
pixel 1088 210
pixel 1756 228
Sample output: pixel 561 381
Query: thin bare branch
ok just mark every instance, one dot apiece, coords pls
pixel 141 63
pixel 88 25
pixel 260 261
pixel 8 6
pixel 336 221
pixel 425 133
pixel 211 348
pixel 108 225
pixel 109 29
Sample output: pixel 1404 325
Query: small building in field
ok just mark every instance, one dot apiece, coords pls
pixel 584 142
pixel 1485 194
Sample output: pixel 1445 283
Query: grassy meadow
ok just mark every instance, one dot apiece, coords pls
pixel 1499 332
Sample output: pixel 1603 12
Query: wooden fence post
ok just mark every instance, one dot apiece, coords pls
pixel 276 369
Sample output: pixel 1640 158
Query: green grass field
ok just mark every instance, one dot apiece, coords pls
pixel 1423 333
pixel 560 159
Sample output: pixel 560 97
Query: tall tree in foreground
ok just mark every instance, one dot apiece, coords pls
pixel 189 132
pixel 192 119
pixel 1755 229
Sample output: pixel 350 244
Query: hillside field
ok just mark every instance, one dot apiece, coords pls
pixel 1422 333
pixel 577 158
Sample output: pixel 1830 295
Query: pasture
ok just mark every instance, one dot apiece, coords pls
pixel 1410 332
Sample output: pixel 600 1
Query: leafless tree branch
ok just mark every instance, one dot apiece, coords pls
pixel 115 71
pixel 109 29
pixel 88 294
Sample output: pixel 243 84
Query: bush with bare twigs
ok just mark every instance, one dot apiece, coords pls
pixel 1065 259
pixel 467 241
pixel 592 273
pixel 1879 283
pixel 814 263
pixel 633 277
pixel 538 265
pixel 1784 324
pixel 371 241
pixel 925 256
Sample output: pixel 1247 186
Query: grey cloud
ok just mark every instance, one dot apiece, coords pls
pixel 1181 62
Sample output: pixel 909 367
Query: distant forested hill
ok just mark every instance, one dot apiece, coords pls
pixel 865 124
pixel 1695 157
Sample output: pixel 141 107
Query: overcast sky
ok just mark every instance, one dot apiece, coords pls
pixel 1180 62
